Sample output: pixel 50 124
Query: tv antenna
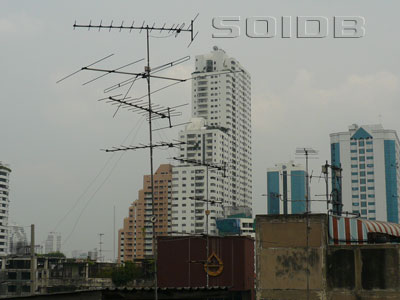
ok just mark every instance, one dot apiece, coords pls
pixel 137 105
pixel 307 152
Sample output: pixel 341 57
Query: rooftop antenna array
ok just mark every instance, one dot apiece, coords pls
pixel 152 111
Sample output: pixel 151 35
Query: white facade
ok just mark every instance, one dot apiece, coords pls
pixel 4 207
pixel 220 134
pixel 224 100
pixel 369 157
pixel 52 243
pixel 189 182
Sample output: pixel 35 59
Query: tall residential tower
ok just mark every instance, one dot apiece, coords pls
pixel 135 239
pixel 369 158
pixel 4 207
pixel 220 134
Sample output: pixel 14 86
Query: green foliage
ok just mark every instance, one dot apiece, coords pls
pixel 105 273
pixel 55 254
pixel 123 275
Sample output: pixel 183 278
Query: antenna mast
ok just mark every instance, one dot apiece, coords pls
pixel 149 109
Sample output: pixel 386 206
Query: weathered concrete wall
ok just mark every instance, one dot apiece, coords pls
pixel 288 262
pixel 363 272
pixel 345 272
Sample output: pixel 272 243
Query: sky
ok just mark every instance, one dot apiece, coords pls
pixel 51 134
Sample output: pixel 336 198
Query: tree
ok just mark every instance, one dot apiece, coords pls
pixel 56 254
pixel 123 275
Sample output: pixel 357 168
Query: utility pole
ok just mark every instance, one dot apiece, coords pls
pixel 33 264
pixel 100 247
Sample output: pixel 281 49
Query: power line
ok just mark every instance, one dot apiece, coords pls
pixel 102 184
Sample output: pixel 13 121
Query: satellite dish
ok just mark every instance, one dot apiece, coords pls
pixel 215 48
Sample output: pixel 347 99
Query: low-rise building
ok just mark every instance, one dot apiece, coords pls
pixel 50 275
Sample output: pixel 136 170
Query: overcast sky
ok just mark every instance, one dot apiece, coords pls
pixel 51 134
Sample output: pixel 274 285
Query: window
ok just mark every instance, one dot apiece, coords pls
pixel 362 181
pixel 362 158
pixel 370 157
pixel 363 204
pixel 369 142
pixel 362 166
pixel 354 189
pixel 370 173
pixel 354 181
pixel 370 165
pixel 353 143
pixel 371 211
pixel 363 211
pixel 354 158
pixel 370 180
pixel 356 204
pixel 369 150
pixel 363 189
pixel 353 151
pixel 361 143
pixel 371 188
pixel 354 173
pixel 361 151
pixel 363 196
pixel 371 196
pixel 354 166
pixel 354 196
pixel 362 173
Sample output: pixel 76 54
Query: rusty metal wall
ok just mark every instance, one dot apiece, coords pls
pixel 181 262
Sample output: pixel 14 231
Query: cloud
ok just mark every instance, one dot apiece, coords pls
pixel 19 24
pixel 304 102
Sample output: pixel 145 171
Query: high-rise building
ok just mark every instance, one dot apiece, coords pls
pixel 4 207
pixel 286 189
pixel 369 158
pixel 52 243
pixel 220 134
pixel 135 239
pixel 17 240
pixel 193 184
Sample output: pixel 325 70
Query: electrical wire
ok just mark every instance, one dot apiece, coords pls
pixel 137 126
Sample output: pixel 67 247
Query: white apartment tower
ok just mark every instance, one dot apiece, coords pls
pixel 52 243
pixel 220 134
pixel 369 158
pixel 4 207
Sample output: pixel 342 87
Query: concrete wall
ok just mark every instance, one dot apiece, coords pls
pixel 281 255
pixel 345 272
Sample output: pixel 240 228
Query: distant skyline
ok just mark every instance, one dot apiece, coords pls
pixel 302 90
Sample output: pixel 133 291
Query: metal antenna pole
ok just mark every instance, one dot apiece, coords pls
pixel 114 234
pixel 207 214
pixel 307 226
pixel 307 152
pixel 154 220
